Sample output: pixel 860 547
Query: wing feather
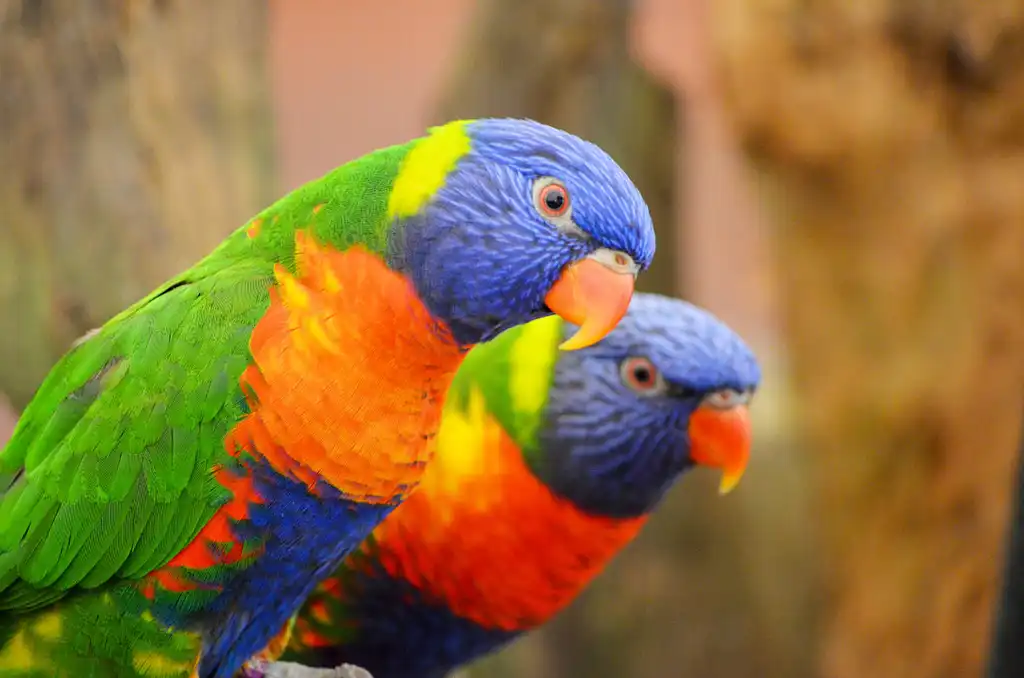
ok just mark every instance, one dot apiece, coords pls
pixel 111 460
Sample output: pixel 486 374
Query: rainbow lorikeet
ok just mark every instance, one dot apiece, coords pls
pixel 547 465
pixel 186 475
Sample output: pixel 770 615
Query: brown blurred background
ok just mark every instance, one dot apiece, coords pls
pixel 840 181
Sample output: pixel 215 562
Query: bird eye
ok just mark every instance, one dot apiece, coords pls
pixel 640 375
pixel 551 198
pixel 555 200
pixel 727 398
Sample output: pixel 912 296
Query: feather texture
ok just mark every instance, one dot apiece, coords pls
pixel 187 473
pixel 507 527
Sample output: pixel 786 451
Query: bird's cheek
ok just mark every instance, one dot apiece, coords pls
pixel 721 439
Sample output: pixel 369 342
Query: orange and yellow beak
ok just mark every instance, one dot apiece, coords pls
pixel 593 293
pixel 721 439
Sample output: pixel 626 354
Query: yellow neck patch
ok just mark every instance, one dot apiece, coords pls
pixel 425 168
pixel 469 432
pixel 533 358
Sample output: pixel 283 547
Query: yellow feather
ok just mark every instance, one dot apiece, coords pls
pixel 48 626
pixel 292 293
pixel 463 441
pixel 16 655
pixel 532 362
pixel 153 663
pixel 425 168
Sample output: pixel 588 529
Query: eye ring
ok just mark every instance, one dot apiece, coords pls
pixel 640 375
pixel 554 200
pixel 551 199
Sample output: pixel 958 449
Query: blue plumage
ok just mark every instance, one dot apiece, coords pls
pixel 612 451
pixel 394 614
pixel 487 201
pixel 295 557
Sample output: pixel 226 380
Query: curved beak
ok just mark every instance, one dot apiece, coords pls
pixel 721 439
pixel 593 293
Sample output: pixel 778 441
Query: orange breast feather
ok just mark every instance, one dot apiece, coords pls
pixel 487 538
pixel 349 376
pixel 347 383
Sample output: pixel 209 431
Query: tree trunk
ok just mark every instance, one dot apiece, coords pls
pixel 135 136
pixel 890 140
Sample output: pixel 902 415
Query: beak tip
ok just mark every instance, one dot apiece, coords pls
pixel 728 483
pixel 576 342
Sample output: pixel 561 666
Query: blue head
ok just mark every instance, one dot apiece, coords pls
pixel 664 390
pixel 501 221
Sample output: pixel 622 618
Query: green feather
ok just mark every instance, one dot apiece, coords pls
pixel 513 372
pixel 108 474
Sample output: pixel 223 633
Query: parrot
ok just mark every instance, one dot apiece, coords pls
pixel 548 464
pixel 188 472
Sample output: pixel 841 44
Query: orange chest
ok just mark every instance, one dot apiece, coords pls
pixel 349 375
pixel 503 551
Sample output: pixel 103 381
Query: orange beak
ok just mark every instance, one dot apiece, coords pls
pixel 594 296
pixel 721 439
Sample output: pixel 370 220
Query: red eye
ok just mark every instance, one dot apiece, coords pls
pixel 641 375
pixel 553 200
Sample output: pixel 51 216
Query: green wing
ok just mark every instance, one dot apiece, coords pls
pixel 108 470
pixel 111 460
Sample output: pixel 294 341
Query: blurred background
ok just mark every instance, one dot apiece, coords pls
pixel 840 181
